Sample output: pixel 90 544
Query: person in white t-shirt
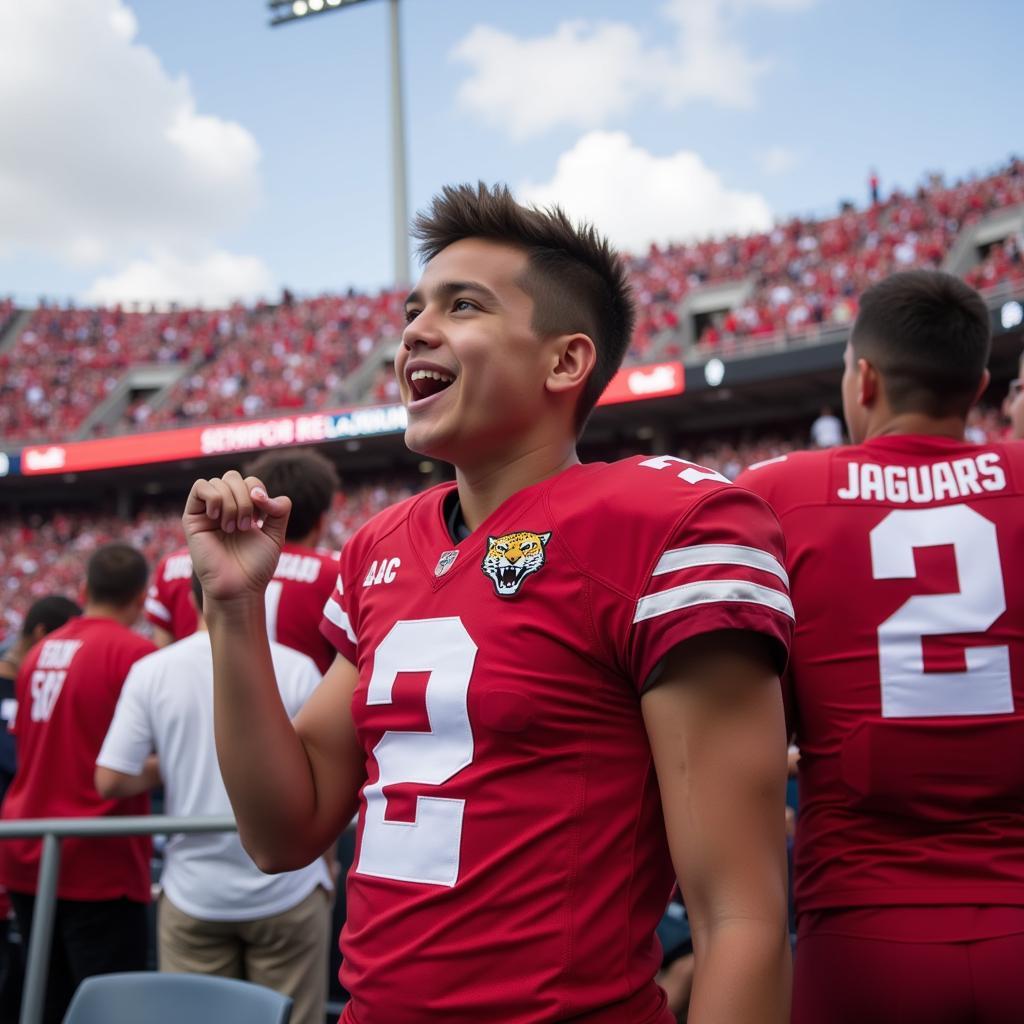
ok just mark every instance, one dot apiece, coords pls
pixel 827 430
pixel 219 914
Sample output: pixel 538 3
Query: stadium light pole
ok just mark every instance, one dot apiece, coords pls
pixel 284 12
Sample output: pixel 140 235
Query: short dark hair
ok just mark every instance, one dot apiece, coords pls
pixel 305 476
pixel 116 574
pixel 50 612
pixel 577 281
pixel 928 335
pixel 197 590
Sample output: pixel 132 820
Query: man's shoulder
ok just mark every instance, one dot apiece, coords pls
pixel 1013 453
pixel 618 519
pixel 642 490
pixel 793 478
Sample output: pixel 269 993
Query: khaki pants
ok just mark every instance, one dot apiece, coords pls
pixel 287 952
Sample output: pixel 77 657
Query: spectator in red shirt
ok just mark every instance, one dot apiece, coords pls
pixel 67 688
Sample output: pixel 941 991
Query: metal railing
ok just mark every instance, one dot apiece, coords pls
pixel 52 831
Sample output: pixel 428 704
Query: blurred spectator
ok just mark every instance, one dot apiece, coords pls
pixel 67 688
pixel 873 186
pixel 827 429
pixel 219 914
pixel 169 608
pixel 43 617
pixel 306 574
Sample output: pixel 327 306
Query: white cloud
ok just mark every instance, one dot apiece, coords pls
pixel 105 156
pixel 585 73
pixel 777 159
pixel 215 278
pixel 637 198
pixel 579 75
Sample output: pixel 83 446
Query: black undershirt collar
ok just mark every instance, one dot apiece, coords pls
pixel 453 519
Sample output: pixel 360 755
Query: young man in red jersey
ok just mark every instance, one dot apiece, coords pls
pixel 67 689
pixel 305 573
pixel 907 678
pixel 556 684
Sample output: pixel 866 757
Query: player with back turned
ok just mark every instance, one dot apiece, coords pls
pixel 907 678
pixel 556 685
pixel 303 579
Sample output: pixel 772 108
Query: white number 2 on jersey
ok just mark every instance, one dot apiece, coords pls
pixel 427 849
pixel 907 690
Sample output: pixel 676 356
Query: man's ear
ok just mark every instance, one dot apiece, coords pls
pixel 869 384
pixel 574 357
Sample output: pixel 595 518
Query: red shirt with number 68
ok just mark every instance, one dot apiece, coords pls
pixel 67 689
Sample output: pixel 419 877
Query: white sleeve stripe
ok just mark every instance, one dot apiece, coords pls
pixel 154 607
pixel 333 612
pixel 709 592
pixel 719 554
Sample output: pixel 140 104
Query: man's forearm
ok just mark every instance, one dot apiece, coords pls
pixel 262 760
pixel 743 974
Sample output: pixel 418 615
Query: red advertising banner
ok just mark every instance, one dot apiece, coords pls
pixel 639 382
pixel 628 385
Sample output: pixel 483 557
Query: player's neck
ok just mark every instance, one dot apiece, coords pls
pixel 918 424
pixel 482 489
pixel 97 610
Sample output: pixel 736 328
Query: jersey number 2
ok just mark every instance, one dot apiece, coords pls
pixel 426 849
pixel 907 690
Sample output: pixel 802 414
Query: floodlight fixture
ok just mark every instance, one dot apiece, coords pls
pixel 283 12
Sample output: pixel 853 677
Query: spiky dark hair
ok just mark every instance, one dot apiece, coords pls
pixel 577 281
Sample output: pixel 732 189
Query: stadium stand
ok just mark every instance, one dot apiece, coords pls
pixel 244 362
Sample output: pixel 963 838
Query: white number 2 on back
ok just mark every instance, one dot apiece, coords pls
pixel 427 849
pixel 907 690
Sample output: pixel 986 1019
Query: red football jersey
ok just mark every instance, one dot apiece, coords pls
pixel 169 601
pixel 67 688
pixel 907 677
pixel 511 860
pixel 303 581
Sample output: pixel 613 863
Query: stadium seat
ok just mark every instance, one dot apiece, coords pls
pixel 171 998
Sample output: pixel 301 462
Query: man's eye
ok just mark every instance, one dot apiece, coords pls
pixel 463 305
pixel 411 314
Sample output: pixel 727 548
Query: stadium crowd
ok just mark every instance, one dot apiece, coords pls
pixel 43 556
pixel 244 362
pixel 40 556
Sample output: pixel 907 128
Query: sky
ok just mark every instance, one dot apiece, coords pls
pixel 186 151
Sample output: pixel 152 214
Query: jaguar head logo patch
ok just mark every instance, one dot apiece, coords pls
pixel 512 557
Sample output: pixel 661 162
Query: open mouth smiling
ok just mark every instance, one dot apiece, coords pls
pixel 426 383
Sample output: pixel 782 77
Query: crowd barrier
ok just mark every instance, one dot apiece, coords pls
pixel 52 831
